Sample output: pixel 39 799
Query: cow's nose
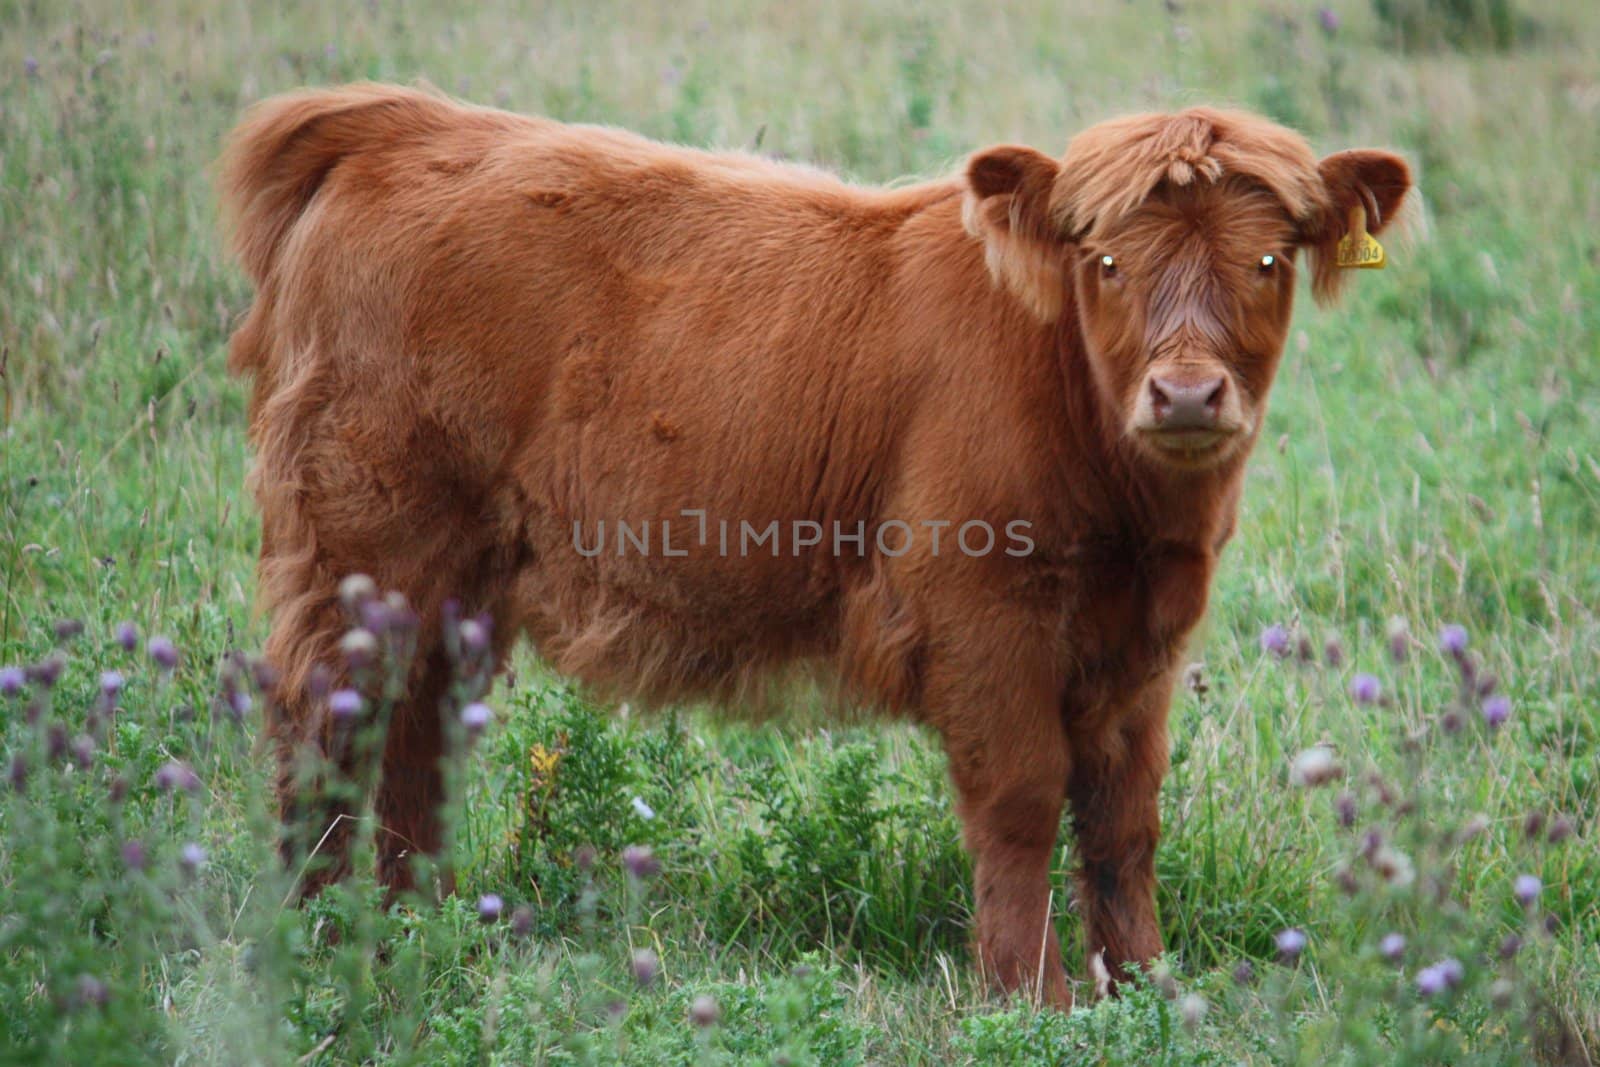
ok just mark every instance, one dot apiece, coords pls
pixel 1187 405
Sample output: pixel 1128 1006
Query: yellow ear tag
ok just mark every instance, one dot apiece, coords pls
pixel 1358 249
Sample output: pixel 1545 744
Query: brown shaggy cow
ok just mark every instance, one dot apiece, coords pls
pixel 481 342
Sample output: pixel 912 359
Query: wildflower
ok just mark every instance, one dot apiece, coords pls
pixel 1430 981
pixel 583 858
pixel 56 741
pixel 704 1012
pixel 1453 640
pixel 191 858
pixel 1345 805
pixel 643 810
pixel 30 66
pixel 1303 651
pixel 1365 689
pixel 1291 943
pixel 264 675
pixel 163 653
pixel 48 670
pixel 133 855
pixel 1560 830
pixel 476 718
pixel 1526 888
pixel 522 921
pixel 489 908
pixel 474 638
pixel 1501 993
pixel 92 991
pixel 1275 639
pixel 345 704
pixel 1192 1009
pixel 640 862
pixel 360 648
pixel 117 788
pixel 1394 866
pixel 1473 827
pixel 356 590
pixel 1487 684
pixel 19 772
pixel 127 636
pixel 375 616
pixel 83 751
pixel 111 683
pixel 1329 20
pixel 401 618
pixel 12 679
pixel 1510 946
pixel 175 775
pixel 646 965
pixel 1392 947
pixel 1454 974
pixel 237 701
pixel 1533 825
pixel 1313 767
pixel 1244 973
pixel 1333 653
pixel 1496 710
pixel 1399 639
pixel 68 629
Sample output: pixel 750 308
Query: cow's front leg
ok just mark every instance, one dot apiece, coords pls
pixel 1115 792
pixel 1008 761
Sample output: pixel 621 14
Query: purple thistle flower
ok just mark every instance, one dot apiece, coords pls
pixel 175 775
pixel 1275 640
pixel 489 907
pixel 1333 653
pixel 1533 825
pixel 264 674
pixel 646 965
pixel 92 991
pixel 401 618
pixel 48 670
pixel 1244 973
pixel 12 679
pixel 1453 639
pixel 356 589
pixel 1496 710
pixel 345 704
pixel 474 637
pixel 133 854
pixel 1454 974
pixel 1393 946
pixel 1510 946
pixel 1291 943
pixel 1313 767
pixel 191 858
pixel 83 751
pixel 1345 805
pixel 704 1011
pixel 111 684
pixel 127 636
pixel 1399 639
pixel 1560 830
pixel 1430 981
pixel 1526 888
pixel 163 653
pixel 238 702
pixel 55 741
pixel 1365 688
pixel 1329 20
pixel 68 629
pixel 360 648
pixel 476 718
pixel 19 772
pixel 375 616
pixel 117 788
pixel 640 862
pixel 522 921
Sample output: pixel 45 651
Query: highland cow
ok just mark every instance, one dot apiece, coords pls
pixel 484 344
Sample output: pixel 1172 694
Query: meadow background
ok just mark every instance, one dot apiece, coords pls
pixel 1431 458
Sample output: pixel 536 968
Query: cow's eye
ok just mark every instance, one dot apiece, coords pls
pixel 1268 262
pixel 1108 266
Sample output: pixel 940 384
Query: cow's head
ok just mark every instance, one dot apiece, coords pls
pixel 1175 237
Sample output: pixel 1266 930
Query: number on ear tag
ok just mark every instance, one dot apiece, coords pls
pixel 1358 249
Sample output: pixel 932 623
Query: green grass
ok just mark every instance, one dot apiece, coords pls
pixel 1430 456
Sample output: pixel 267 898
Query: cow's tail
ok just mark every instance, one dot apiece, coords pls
pixel 277 159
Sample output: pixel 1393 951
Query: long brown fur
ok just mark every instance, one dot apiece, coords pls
pixel 473 330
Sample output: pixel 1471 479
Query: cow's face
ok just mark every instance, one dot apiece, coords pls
pixel 1184 307
pixel 1175 239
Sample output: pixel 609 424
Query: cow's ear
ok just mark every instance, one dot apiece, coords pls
pixel 1373 181
pixel 1007 206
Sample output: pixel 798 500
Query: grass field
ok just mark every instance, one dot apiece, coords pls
pixel 1431 458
